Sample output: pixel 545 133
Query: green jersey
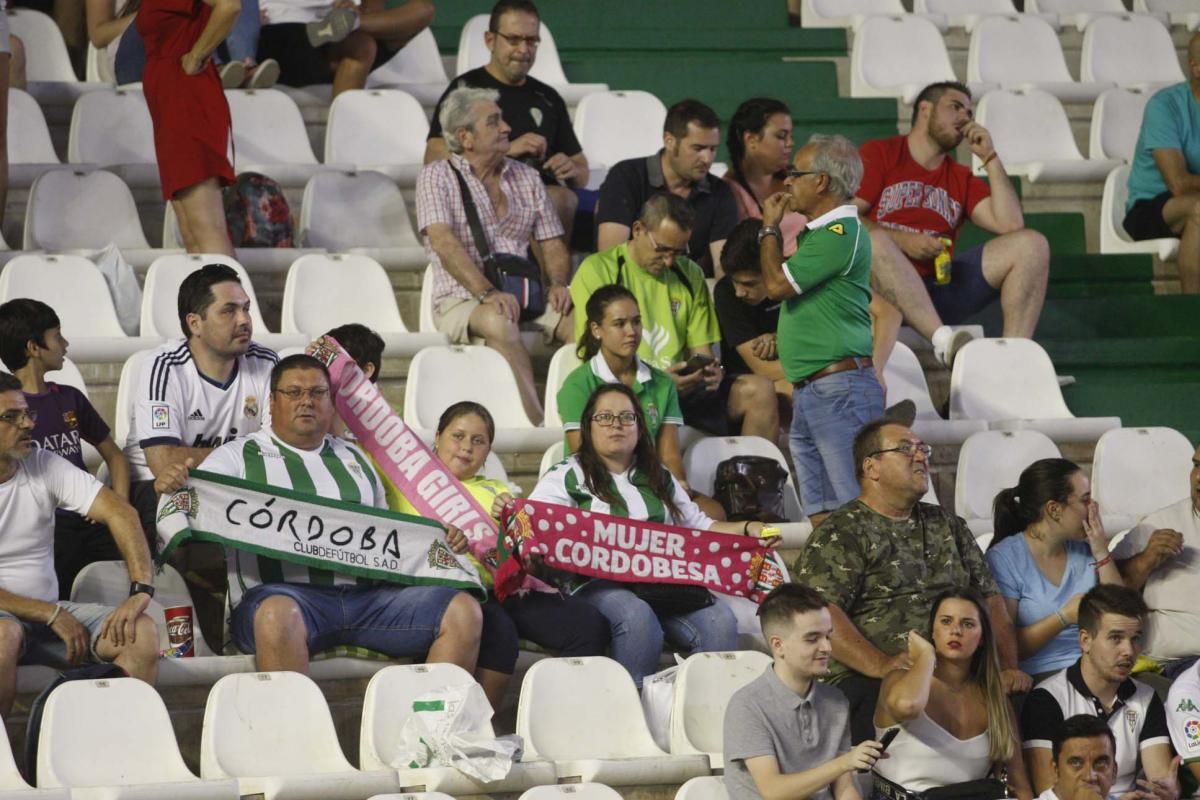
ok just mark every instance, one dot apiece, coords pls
pixel 828 318
pixel 654 389
pixel 677 311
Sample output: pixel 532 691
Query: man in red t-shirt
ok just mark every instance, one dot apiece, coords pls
pixel 913 194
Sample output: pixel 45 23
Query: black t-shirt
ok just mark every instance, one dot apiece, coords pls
pixel 532 107
pixel 632 182
pixel 741 322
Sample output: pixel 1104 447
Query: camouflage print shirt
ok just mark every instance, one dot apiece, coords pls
pixel 884 573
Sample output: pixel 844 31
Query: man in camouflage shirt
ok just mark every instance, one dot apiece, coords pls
pixel 881 559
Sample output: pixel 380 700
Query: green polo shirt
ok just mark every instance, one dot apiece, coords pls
pixel 677 311
pixel 828 318
pixel 654 389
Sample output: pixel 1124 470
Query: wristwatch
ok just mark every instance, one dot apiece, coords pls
pixel 141 588
pixel 485 294
pixel 770 230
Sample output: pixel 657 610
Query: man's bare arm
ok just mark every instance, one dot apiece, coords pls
pixel 160 457
pixel 455 259
pixel 1171 164
pixel 852 648
pixel 611 234
pixel 122 522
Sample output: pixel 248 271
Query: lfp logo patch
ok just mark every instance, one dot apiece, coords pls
pixel 1191 731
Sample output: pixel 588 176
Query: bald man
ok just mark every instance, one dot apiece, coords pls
pixel 1164 180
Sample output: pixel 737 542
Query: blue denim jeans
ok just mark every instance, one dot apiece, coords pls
pixel 827 415
pixel 242 42
pixel 638 633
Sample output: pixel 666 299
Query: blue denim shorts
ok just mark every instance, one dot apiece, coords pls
pixel 399 621
pixel 967 292
pixel 42 645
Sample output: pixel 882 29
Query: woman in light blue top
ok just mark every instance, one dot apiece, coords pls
pixel 1049 548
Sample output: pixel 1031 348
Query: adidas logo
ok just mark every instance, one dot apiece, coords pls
pixel 196 416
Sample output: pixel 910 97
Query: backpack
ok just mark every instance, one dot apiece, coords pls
pixel 33 729
pixel 751 487
pixel 256 212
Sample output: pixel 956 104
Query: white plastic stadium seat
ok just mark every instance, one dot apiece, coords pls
pixel 700 462
pixel 416 68
pixel 440 376
pixel 845 13
pixel 906 381
pixel 1184 13
pixel 1079 13
pixel 254 259
pixel 1011 384
pixel 12 783
pixel 708 787
pixel 360 212
pixel 1129 51
pixel 30 150
pixel 378 129
pixel 112 738
pixel 547 67
pixel 1137 471
pixel 991 461
pixel 99 65
pixel 572 791
pixel 965 14
pixel 614 126
pixel 562 364
pixel 387 705
pixel 554 454
pixel 897 57
pixel 1033 136
pixel 269 137
pixel 73 211
pixel 1113 237
pixel 76 290
pixel 323 292
pixel 703 687
pixel 1116 123
pixel 273 732
pixel 46 57
pixel 127 384
pixel 112 128
pixel 595 735
pixel 160 306
pixel 1023 52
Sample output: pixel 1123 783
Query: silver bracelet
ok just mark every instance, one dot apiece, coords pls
pixel 1062 619
pixel 57 610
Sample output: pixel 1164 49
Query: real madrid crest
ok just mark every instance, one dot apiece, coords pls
pixel 250 409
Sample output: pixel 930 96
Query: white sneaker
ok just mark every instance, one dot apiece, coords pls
pixel 947 345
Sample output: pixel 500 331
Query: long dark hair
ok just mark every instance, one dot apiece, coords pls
pixel 1018 507
pixel 597 304
pixel 751 117
pixel 645 457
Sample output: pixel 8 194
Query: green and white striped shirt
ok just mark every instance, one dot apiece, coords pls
pixel 337 471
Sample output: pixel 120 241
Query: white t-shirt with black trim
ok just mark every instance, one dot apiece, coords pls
pixel 1137 720
pixel 44 482
pixel 176 405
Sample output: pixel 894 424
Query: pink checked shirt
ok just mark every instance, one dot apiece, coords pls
pixel 439 200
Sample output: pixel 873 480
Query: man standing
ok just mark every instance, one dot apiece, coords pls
pixel 35 627
pixel 1164 178
pixel 882 558
pixel 824 326
pixel 678 323
pixel 915 199
pixel 542 136
pixel 284 612
pixel 511 203
pixel 691 135
pixel 786 733
pixel 1110 636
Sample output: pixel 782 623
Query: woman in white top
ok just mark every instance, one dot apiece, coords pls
pixel 956 723
pixel 617 471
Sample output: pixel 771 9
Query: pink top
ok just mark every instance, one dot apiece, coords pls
pixel 793 222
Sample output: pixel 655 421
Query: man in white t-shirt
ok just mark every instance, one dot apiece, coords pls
pixel 1161 557
pixel 1183 718
pixel 34 626
pixel 196 394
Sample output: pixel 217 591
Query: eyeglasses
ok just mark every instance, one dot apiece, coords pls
pixel 607 419
pixel 909 449
pixel 674 252
pixel 317 393
pixel 514 41
pixel 15 416
pixel 800 173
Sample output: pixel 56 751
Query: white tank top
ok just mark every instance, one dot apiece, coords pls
pixel 925 755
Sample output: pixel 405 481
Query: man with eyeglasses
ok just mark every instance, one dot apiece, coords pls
pixel 542 135
pixel 35 627
pixel 283 612
pixel 881 559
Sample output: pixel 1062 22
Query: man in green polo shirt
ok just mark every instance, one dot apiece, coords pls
pixel 824 338
pixel 678 321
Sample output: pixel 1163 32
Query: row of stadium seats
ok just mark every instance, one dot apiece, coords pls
pixel 272 734
pixel 967 14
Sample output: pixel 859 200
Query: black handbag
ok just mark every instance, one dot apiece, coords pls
pixel 751 488
pixel 670 599
pixel 982 789
pixel 509 273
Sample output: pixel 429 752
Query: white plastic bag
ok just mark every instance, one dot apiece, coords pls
pixel 123 286
pixel 658 697
pixel 443 731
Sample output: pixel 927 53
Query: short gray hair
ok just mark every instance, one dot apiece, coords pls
pixel 456 112
pixel 837 157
